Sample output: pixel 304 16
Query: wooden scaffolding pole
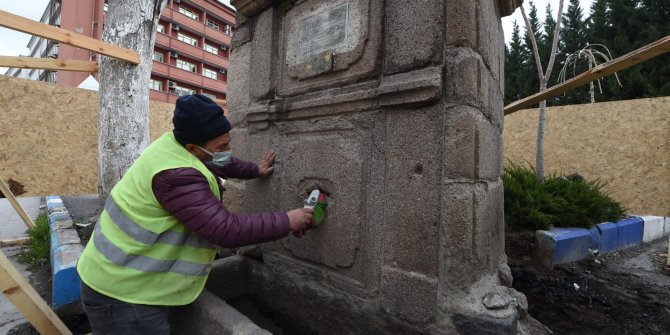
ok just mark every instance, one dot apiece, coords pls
pixel 17 207
pixel 15 22
pixel 27 301
pixel 48 64
pixel 632 58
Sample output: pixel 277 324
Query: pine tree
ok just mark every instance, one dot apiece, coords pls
pixel 515 61
pixel 532 83
pixel 657 70
pixel 573 38
pixel 626 22
pixel 598 29
pixel 544 46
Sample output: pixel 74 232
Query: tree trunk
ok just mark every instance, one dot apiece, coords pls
pixel 539 153
pixel 123 116
pixel 592 92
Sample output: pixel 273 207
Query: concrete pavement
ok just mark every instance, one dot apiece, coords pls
pixel 11 226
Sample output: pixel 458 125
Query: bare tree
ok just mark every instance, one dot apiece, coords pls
pixel 544 79
pixel 123 116
pixel 592 56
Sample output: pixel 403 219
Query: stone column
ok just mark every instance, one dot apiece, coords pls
pixel 393 108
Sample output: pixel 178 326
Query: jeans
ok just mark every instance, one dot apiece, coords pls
pixel 108 316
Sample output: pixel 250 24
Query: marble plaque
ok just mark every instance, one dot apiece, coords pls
pixel 325 31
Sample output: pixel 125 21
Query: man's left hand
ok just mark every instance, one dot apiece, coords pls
pixel 265 167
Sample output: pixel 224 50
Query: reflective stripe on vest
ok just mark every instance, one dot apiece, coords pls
pixel 143 263
pixel 145 236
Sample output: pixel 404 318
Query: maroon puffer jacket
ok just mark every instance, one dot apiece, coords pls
pixel 186 195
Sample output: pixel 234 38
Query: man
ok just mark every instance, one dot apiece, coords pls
pixel 157 235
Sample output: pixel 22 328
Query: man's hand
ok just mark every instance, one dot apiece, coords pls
pixel 299 219
pixel 265 167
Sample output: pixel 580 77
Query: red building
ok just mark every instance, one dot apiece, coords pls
pixel 190 55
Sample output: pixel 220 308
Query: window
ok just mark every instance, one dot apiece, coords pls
pixel 189 13
pixel 212 24
pixel 226 29
pixel 183 91
pixel 209 73
pixel 160 28
pixel 211 48
pixel 187 39
pixel 186 65
pixel 158 56
pixel 156 85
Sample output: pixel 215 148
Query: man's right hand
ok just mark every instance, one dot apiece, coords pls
pixel 299 218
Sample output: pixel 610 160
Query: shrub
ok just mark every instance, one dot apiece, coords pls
pixel 37 251
pixel 559 201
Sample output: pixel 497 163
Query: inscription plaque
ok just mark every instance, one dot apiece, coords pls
pixel 326 31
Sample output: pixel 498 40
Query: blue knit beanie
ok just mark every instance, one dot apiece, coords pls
pixel 198 119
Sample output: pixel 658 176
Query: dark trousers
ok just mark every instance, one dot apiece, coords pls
pixel 108 316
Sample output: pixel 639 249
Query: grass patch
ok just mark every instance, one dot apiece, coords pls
pixel 37 251
pixel 560 201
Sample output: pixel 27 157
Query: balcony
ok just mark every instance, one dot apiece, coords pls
pixel 214 85
pixel 187 49
pixel 187 22
pixel 216 60
pixel 163 40
pixel 158 95
pixel 160 68
pixel 217 36
pixel 198 27
pixel 186 76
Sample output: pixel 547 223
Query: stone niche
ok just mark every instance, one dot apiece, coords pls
pixel 394 109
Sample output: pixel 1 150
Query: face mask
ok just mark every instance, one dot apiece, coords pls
pixel 219 158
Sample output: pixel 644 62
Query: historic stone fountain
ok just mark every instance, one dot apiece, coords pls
pixel 395 109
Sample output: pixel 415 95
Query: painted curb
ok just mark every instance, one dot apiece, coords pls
pixel 653 227
pixel 65 251
pixel 631 231
pixel 609 237
pixel 565 245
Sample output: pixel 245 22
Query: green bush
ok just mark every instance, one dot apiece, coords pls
pixel 559 201
pixel 37 251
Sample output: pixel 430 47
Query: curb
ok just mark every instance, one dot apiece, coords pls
pixel 65 251
pixel 565 245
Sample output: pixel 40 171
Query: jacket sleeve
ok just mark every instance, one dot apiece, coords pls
pixel 185 193
pixel 236 168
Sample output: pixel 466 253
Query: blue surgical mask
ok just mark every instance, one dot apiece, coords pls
pixel 219 158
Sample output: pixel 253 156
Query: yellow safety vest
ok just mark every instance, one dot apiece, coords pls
pixel 139 253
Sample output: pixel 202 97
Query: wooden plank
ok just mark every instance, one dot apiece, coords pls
pixel 48 64
pixel 12 200
pixel 221 102
pixel 14 242
pixel 632 58
pixel 27 301
pixel 15 22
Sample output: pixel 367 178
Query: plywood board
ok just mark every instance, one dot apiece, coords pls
pixel 49 136
pixel 625 143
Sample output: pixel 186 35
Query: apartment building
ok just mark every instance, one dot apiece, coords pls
pixel 190 55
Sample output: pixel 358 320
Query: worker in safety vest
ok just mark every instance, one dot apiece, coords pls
pixel 158 233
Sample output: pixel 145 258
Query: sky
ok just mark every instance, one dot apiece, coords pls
pixel 13 43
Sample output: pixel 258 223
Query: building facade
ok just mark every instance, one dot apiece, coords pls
pixel 190 55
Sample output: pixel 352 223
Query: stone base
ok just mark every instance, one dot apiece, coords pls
pixel 304 305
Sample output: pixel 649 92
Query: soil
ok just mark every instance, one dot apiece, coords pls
pixel 625 292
